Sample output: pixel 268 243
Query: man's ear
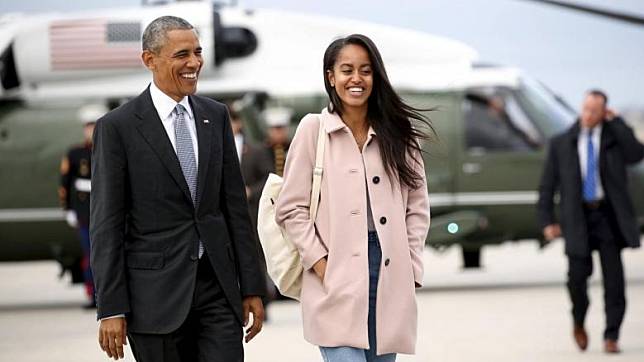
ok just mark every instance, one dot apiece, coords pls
pixel 148 59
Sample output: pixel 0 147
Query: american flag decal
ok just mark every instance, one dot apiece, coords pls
pixel 94 44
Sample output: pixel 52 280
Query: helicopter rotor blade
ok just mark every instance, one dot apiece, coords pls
pixel 610 14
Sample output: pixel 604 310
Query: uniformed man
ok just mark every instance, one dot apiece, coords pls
pixel 277 141
pixel 75 186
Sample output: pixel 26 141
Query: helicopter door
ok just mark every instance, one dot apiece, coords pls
pixel 501 161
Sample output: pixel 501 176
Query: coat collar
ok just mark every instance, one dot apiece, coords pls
pixel 607 137
pixel 165 105
pixel 573 132
pixel 333 122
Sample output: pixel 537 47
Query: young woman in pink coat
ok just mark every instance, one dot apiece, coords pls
pixel 362 256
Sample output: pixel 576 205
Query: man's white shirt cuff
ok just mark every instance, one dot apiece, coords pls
pixel 114 316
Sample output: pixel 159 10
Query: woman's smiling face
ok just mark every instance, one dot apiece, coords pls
pixel 352 76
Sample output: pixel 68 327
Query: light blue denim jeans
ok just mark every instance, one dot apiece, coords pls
pixel 352 354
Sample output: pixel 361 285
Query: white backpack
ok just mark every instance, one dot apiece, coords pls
pixel 282 257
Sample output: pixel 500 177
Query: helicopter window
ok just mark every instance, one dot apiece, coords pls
pixel 550 112
pixel 495 122
pixel 523 123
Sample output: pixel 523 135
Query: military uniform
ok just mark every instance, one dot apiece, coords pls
pixel 75 186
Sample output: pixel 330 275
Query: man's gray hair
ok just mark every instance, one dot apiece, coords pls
pixel 155 33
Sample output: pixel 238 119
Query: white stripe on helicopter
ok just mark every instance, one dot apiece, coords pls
pixel 435 200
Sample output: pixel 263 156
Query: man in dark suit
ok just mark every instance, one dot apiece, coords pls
pixel 254 167
pixel 258 161
pixel 175 263
pixel 587 165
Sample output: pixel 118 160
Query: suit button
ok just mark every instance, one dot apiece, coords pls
pixel 376 179
pixel 383 220
pixel 387 262
pixel 194 257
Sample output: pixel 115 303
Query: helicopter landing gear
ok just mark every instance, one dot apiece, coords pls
pixel 471 257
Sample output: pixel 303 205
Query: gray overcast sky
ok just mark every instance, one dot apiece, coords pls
pixel 570 52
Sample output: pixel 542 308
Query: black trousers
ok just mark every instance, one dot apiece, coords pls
pixel 211 332
pixel 603 236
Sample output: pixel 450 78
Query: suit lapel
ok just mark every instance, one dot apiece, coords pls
pixel 155 135
pixel 204 138
pixel 606 141
pixel 573 136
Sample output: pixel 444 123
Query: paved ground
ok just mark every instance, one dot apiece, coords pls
pixel 515 309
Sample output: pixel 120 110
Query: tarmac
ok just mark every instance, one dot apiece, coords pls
pixel 513 309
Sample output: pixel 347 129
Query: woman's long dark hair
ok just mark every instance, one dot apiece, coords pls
pixel 390 117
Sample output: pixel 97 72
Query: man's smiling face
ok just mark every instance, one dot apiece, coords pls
pixel 175 67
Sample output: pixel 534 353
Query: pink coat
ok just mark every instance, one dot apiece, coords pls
pixel 335 311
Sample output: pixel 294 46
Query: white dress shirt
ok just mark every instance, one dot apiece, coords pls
pixel 582 148
pixel 164 106
pixel 239 145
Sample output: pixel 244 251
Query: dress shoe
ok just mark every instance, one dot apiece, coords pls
pixel 611 346
pixel 581 337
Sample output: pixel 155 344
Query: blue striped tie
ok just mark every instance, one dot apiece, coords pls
pixel 590 184
pixel 186 155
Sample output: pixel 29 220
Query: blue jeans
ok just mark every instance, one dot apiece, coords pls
pixel 352 354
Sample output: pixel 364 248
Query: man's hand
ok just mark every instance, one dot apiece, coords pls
pixel 320 268
pixel 71 218
pixel 611 114
pixel 112 336
pixel 253 305
pixel 552 232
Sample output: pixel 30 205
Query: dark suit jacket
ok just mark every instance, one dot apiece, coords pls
pixel 144 228
pixel 255 167
pixel 618 148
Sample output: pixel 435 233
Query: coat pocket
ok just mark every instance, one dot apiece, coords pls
pixel 150 260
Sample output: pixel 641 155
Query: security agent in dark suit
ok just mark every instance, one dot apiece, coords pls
pixel 175 263
pixel 254 171
pixel 587 165
pixel 258 161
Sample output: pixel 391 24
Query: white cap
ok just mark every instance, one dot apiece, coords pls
pixel 92 112
pixel 277 116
